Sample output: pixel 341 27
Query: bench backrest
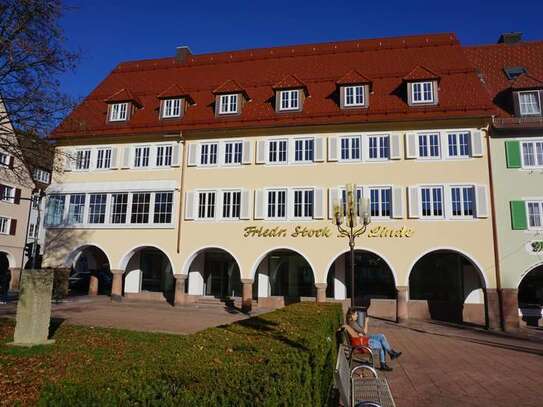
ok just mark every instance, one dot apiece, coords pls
pixel 343 375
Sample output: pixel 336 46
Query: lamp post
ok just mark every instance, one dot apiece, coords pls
pixel 351 218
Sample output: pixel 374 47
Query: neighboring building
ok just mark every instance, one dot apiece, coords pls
pixel 512 73
pixel 215 175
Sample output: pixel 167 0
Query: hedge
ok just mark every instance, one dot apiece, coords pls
pixel 283 358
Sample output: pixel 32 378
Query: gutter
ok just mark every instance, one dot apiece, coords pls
pixel 181 190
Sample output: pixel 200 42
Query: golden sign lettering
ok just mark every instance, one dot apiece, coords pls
pixel 324 232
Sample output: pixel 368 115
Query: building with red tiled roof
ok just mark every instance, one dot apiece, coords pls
pixel 238 192
pixel 512 74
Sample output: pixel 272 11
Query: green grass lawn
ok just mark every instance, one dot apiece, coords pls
pixel 284 357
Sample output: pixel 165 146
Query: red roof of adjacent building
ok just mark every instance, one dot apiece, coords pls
pixel 317 66
pixel 491 61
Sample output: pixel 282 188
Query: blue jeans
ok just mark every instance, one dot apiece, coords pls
pixel 378 342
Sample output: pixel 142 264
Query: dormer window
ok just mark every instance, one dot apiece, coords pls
pixel 422 92
pixel 290 99
pixel 171 108
pixel 529 103
pixel 118 112
pixel 354 96
pixel 228 104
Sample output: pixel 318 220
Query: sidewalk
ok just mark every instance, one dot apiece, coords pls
pixel 446 366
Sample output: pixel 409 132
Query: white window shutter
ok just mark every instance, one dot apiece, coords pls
pixel 193 154
pixel 397 202
pixel 476 139
pixel 69 159
pixel 481 201
pixel 414 209
pixel 332 148
pixel 333 195
pixel 318 208
pixel 245 207
pixel 261 151
pixel 114 157
pixel 247 152
pixel 319 149
pixel 126 157
pixel 395 147
pixel 410 145
pixel 189 205
pixel 259 204
pixel 176 149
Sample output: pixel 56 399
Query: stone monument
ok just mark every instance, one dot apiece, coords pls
pixel 34 308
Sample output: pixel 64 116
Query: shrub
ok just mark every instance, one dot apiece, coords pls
pixel 284 358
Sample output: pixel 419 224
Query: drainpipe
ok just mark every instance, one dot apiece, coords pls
pixel 181 191
pixel 494 228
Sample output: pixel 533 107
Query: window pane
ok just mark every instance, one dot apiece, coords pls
pixel 140 207
pixel 76 208
pixel 163 207
pixel 97 208
pixel 119 207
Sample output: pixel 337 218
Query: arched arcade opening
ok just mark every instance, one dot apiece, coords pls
pixel 530 297
pixel 446 285
pixel 90 271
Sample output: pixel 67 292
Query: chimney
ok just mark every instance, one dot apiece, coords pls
pixel 182 53
pixel 510 38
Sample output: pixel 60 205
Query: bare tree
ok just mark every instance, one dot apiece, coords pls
pixel 32 55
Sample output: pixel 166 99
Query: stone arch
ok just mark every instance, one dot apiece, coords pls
pixel 530 295
pixel 90 270
pixel 267 252
pixel 10 258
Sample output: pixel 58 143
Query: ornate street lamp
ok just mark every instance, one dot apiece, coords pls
pixel 351 218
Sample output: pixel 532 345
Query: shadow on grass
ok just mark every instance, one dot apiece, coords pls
pixel 54 324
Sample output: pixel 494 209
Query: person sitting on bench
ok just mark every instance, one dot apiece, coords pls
pixel 358 320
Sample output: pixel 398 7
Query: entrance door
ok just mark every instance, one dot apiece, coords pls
pixel 151 270
pixel 217 277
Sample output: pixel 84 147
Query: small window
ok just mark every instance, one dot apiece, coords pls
pixel 422 92
pixel 277 204
pixel 164 156
pixel 4 159
pixel 290 99
pixel 354 96
pixel 42 175
pixel 118 112
pixel 304 150
pixel 208 153
pixel 459 144
pixel 141 202
pixel 119 208
pixel 277 151
pixel 103 159
pixel 233 152
pixel 171 108
pixel 379 147
pixel 206 205
pixel 350 148
pixel 429 146
pixel 97 208
pixel 141 157
pixel 82 161
pixel 380 202
pixel 163 207
pixel 55 210
pixel 231 204
pixel 303 203
pixel 76 209
pixel 535 214
pixel 4 225
pixel 513 72
pixel 31 231
pixel 462 201
pixel 529 103
pixel 532 154
pixel 432 202
pixel 228 104
pixel 7 194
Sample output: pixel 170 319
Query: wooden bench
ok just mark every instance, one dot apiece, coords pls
pixel 360 386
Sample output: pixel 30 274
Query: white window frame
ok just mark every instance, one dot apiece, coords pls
pixel 139 164
pixel 86 157
pixel 42 175
pixel 304 143
pixel 292 103
pixel 380 188
pixel 128 208
pixel 278 142
pixel 4 159
pixel 165 157
pixel 534 144
pixel 171 108
pixel 231 204
pixel 379 139
pixel 106 158
pixel 8 197
pixel 62 201
pixel 105 205
pixel 82 215
pixel 443 202
pixel 349 149
pixel 450 202
pixel 428 146
pixel 118 112
pixel 355 96
pixel 276 203
pixel 342 197
pixel 5 224
pixel 457 145
pixel 520 105
pixel 233 143
pixel 153 212
pixel 539 204
pixel 303 203
pixel 208 154
pixel 229 104
pixel 207 193
pixel 423 99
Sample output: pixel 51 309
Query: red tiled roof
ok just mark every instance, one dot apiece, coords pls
pixel 318 66
pixel 172 91
pixel 230 86
pixel 289 82
pixel 123 95
pixel 490 61
pixel 420 73
pixel 353 77
pixel 526 81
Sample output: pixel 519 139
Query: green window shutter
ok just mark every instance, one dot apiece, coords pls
pixel 518 215
pixel 512 153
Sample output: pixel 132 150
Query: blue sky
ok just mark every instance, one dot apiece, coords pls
pixel 108 32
